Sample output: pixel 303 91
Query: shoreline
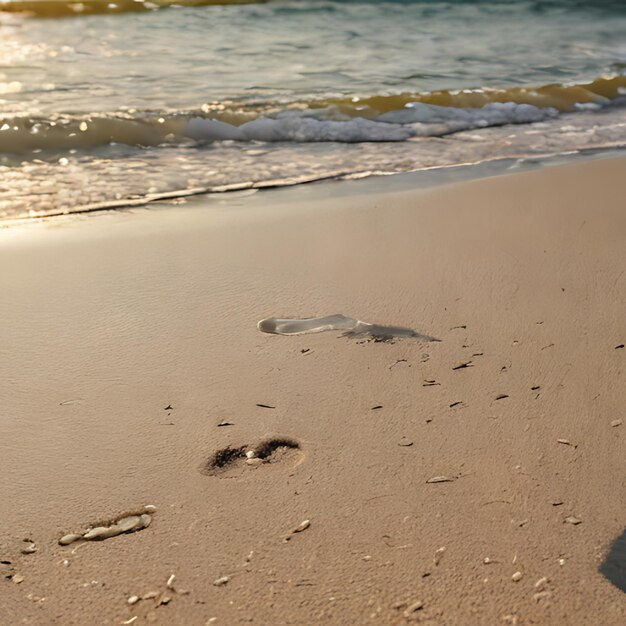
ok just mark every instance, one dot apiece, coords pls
pixel 89 188
pixel 419 178
pixel 132 361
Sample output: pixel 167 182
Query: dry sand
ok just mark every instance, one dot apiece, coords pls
pixel 130 355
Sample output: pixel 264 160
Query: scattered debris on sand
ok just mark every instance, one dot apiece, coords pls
pixel 440 479
pixel 413 608
pixel 160 598
pixel 462 366
pixel 302 526
pixel 565 442
pixel 439 552
pixel 29 548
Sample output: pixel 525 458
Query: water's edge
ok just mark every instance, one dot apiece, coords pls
pixel 352 183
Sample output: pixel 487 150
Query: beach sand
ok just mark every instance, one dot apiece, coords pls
pixel 130 357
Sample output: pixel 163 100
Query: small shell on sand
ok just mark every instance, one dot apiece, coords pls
pixel 150 508
pixel 302 526
pixel 170 582
pixel 133 600
pixel 541 595
pixel 17 578
pixel 250 454
pixel 438 555
pixel 616 423
pixel 573 520
pixel 517 577
pixel 31 548
pixel 71 538
pixel 221 581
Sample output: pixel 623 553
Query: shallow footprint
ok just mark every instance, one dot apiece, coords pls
pixel 349 326
pixel 269 450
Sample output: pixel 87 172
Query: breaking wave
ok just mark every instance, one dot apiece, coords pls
pixel 384 118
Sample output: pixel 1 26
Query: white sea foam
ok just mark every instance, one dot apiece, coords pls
pixel 433 120
pixel 415 120
pixel 297 128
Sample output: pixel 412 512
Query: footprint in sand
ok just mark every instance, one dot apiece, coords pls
pixel 349 326
pixel 230 460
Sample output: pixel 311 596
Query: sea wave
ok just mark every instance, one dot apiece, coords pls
pixel 563 97
pixel 382 118
pixel 58 183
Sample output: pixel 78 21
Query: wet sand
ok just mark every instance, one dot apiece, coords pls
pixel 317 478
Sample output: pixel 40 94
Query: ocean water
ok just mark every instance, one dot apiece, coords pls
pixel 101 102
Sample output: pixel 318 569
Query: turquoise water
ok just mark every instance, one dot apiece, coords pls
pixel 167 99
